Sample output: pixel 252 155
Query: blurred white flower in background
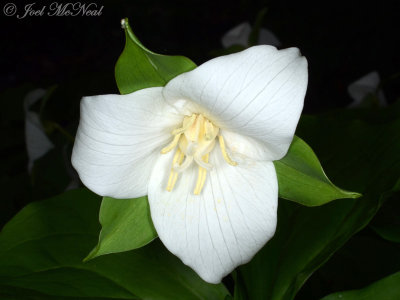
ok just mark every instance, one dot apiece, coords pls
pixel 37 142
pixel 366 87
pixel 239 35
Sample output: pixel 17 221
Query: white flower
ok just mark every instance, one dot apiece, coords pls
pixel 364 87
pixel 239 35
pixel 37 142
pixel 211 184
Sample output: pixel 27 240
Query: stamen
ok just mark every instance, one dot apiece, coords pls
pixel 173 176
pixel 187 122
pixel 224 153
pixel 171 145
pixel 210 131
pixel 201 179
pixel 194 142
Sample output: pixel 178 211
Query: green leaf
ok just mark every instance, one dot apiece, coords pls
pixel 20 293
pixel 365 258
pixel 387 222
pixel 365 159
pixel 42 247
pixel 138 68
pixel 302 179
pixel 388 232
pixel 126 225
pixel 255 33
pixel 239 292
pixel 387 288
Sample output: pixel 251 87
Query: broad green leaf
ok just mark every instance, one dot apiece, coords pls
pixel 359 156
pixel 42 247
pixel 365 258
pixel 239 292
pixel 389 232
pixel 387 222
pixel 387 288
pixel 126 225
pixel 138 68
pixel 255 33
pixel 302 179
pixel 20 293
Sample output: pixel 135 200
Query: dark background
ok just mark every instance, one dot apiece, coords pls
pixel 75 56
pixel 342 40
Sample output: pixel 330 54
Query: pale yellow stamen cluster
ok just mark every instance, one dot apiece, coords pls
pixel 195 140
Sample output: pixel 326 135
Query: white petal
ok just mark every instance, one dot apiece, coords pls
pixel 258 93
pixel 224 226
pixel 119 139
pixel 242 148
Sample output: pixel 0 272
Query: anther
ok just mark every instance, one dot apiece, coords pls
pixel 171 145
pixel 210 130
pixel 201 178
pixel 188 122
pixel 173 176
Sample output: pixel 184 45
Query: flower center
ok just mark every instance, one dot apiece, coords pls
pixel 195 140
